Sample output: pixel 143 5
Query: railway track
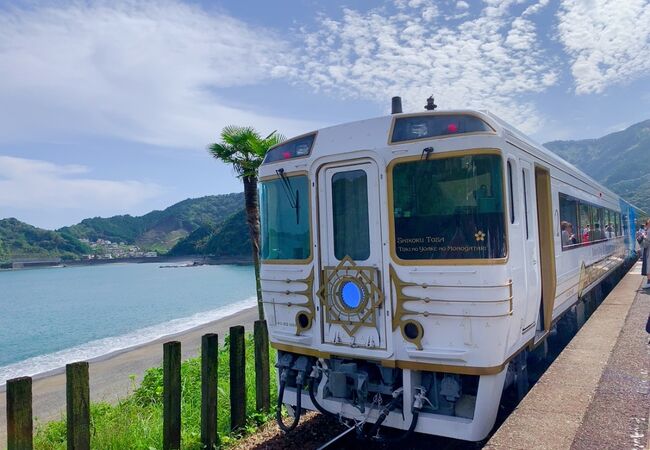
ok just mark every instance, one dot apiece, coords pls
pixel 347 440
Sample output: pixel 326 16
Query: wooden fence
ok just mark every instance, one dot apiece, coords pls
pixel 19 394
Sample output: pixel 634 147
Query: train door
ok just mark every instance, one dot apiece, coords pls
pixel 531 245
pixel 546 243
pixel 350 288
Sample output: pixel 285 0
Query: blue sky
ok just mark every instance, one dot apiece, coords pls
pixel 107 107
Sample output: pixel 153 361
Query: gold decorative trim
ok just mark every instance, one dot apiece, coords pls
pixel 443 262
pixel 308 292
pixel 367 279
pixel 408 365
pixel 416 340
pixel 546 239
pixel 596 271
pixel 401 299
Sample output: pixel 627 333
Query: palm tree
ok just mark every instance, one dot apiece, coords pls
pixel 244 148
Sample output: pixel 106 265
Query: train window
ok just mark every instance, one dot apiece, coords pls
pixel 284 218
pixel 608 224
pixel 511 194
pixel 350 214
pixel 568 221
pixel 597 230
pixel 585 222
pixel 449 208
pixel 523 177
pixel 428 126
pixel 617 224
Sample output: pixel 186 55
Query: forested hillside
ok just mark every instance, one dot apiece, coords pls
pixel 160 230
pixel 19 240
pixel 230 238
pixel 620 161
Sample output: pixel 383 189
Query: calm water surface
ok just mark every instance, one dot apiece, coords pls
pixel 49 317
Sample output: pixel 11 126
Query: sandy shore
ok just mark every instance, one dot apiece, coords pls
pixel 109 377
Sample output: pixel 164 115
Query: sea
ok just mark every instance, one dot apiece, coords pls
pixel 53 316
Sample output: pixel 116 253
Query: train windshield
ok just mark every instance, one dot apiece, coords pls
pixel 449 208
pixel 284 218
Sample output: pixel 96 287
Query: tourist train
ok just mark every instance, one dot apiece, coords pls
pixel 409 262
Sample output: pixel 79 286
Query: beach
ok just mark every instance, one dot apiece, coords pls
pixel 110 374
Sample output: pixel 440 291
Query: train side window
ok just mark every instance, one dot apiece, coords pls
pixel 350 214
pixel 523 178
pixel 511 193
pixel 597 230
pixel 568 221
pixel 584 223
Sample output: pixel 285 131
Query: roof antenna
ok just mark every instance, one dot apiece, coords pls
pixel 430 106
pixel 396 107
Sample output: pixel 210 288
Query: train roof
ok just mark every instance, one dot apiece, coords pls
pixel 374 133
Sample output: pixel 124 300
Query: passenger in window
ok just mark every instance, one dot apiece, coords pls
pixel 609 231
pixel 586 231
pixel 568 238
pixel 598 233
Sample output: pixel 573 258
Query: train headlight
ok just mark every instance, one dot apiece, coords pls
pixel 412 331
pixel 303 321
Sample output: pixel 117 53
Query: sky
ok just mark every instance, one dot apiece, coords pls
pixel 107 107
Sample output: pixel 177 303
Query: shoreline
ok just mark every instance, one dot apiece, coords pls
pixel 203 259
pixel 110 374
pixel 110 353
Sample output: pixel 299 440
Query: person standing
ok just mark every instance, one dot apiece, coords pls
pixel 645 244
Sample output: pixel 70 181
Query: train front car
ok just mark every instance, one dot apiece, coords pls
pixel 386 273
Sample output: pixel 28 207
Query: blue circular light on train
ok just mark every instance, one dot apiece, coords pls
pixel 351 294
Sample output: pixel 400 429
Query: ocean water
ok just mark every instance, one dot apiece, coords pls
pixel 50 317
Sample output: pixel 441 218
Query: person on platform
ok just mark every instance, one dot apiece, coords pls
pixel 645 245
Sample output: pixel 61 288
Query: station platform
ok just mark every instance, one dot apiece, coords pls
pixel 595 395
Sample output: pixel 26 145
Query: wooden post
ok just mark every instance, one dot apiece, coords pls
pixel 209 366
pixel 172 395
pixel 262 375
pixel 19 414
pixel 78 406
pixel 237 378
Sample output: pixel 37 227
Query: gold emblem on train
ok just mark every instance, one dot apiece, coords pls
pixel 350 295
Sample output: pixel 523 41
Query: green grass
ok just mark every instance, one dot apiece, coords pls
pixel 136 422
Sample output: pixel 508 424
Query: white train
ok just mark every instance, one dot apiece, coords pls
pixel 408 260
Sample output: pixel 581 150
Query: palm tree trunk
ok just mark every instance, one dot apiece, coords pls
pixel 253 220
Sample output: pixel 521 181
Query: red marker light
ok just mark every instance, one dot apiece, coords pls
pixel 452 128
pixel 286 155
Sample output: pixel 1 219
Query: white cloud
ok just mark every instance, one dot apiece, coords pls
pixel 490 61
pixel 137 70
pixel 36 185
pixel 462 5
pixel 608 41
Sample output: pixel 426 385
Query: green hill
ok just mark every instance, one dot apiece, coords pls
pixel 159 230
pixel 620 161
pixel 230 238
pixel 19 240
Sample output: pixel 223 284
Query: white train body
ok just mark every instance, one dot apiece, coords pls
pixel 424 252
